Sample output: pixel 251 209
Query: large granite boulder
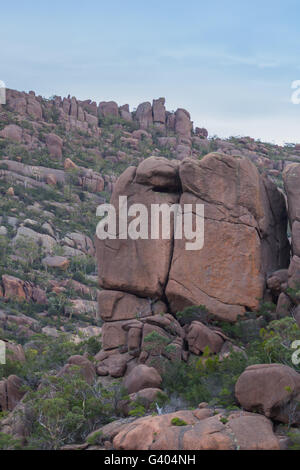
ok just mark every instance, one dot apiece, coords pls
pixel 54 144
pixel 245 240
pixel 159 111
pixel 291 178
pixel 11 392
pixel 244 237
pixel 183 124
pixel 144 115
pixel 271 389
pixel 140 266
pixel 200 430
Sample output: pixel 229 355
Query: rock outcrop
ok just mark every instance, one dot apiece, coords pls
pixel 245 240
pixel 291 178
pixel 142 377
pixel 12 132
pixel 10 392
pixel 200 431
pixel 83 365
pixel 17 289
pixel 54 144
pixel 271 389
pixel 245 221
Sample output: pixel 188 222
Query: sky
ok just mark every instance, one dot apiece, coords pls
pixel 230 63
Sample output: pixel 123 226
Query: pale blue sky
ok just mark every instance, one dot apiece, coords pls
pixel 230 63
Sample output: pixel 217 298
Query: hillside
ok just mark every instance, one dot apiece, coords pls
pixel 59 159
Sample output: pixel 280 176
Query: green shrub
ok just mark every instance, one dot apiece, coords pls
pixel 95 438
pixel 178 422
pixel 194 313
pixel 155 342
pixel 8 442
pixel 45 354
pixel 224 420
pixel 137 410
pixel 294 437
pixel 65 410
pixel 205 379
pixel 277 338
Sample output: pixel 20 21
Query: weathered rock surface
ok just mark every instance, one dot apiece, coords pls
pixel 244 240
pixel 147 397
pixel 12 132
pixel 183 124
pixel 108 108
pixel 144 115
pixel 149 260
pixel 17 289
pixel 111 363
pixel 159 173
pixel 200 337
pixel 142 377
pixel 278 282
pixel 271 389
pixel 82 307
pixel 291 178
pixel 85 367
pixel 10 392
pixel 249 241
pixel 159 111
pixel 244 237
pixel 294 274
pixel 54 144
pixel 80 242
pixel 116 305
pixel 47 242
pixel 15 352
pixel 37 176
pixel 241 431
pixel 59 262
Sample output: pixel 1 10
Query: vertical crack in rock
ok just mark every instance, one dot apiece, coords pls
pixel 243 242
pixel 291 178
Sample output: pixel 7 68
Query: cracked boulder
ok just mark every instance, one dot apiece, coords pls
pixel 141 266
pixel 245 224
pixel 11 392
pixel 291 178
pixel 146 281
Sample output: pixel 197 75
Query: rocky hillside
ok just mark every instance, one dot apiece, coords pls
pixel 171 329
